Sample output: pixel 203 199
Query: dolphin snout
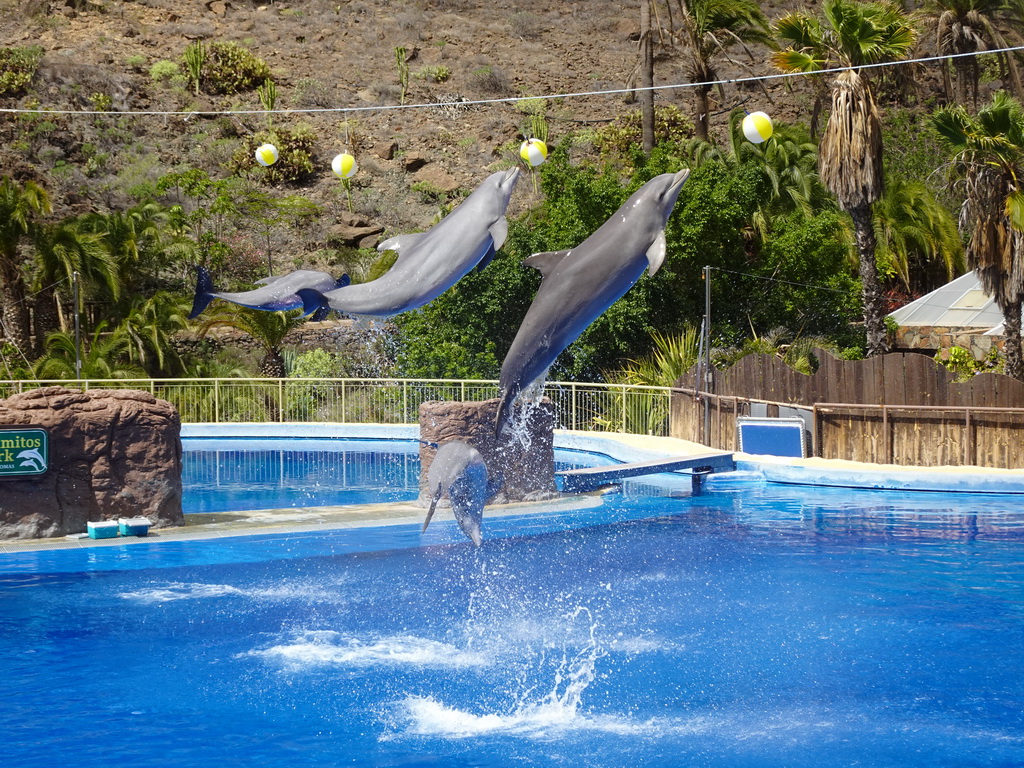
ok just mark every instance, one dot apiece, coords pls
pixel 511 175
pixel 680 178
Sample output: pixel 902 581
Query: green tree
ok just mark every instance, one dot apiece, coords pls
pixel 20 207
pixel 963 27
pixel 989 148
pixel 851 34
pixel 707 30
pixel 103 357
pixel 62 249
pixel 267 329
pixel 917 237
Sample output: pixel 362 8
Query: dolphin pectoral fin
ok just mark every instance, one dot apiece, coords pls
pixel 487 259
pixel 400 243
pixel 433 504
pixel 499 232
pixel 312 301
pixel 546 261
pixel 204 292
pixel 343 281
pixel 656 253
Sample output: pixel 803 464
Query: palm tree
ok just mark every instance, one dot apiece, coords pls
pixel 267 329
pixel 707 30
pixel 851 34
pixel 104 357
pixel 62 249
pixel 990 149
pixel 969 26
pixel 148 329
pixel 20 204
pixel 917 236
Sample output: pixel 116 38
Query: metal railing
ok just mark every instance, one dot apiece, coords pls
pixel 596 407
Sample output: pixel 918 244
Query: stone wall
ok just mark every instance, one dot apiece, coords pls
pixel 113 453
pixel 525 459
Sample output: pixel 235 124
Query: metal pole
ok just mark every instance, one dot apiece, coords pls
pixel 78 328
pixel 706 384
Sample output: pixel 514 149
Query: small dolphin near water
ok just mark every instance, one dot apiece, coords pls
pixel 579 284
pixel 429 263
pixel 278 294
pixel 32 458
pixel 459 470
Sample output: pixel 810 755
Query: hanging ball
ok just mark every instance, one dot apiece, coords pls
pixel 533 151
pixel 757 127
pixel 344 166
pixel 266 154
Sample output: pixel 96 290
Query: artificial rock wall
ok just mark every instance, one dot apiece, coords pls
pixel 113 453
pixel 524 455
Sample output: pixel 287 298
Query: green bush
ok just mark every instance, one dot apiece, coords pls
pixel 163 70
pixel 295 147
pixel 620 136
pixel 17 68
pixel 225 68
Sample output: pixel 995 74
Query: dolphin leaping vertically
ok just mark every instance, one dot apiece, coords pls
pixel 581 283
pixel 429 263
pixel 458 469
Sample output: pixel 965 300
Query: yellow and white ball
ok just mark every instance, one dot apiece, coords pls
pixel 533 151
pixel 344 166
pixel 757 127
pixel 266 155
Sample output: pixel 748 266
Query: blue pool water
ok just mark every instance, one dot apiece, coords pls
pixel 756 625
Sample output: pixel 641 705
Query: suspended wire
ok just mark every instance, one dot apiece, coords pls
pixel 506 100
pixel 778 280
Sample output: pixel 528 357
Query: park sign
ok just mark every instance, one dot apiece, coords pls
pixel 24 451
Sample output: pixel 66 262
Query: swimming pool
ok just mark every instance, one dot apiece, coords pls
pixel 756 625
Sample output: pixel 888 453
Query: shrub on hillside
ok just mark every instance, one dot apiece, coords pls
pixel 17 68
pixel 224 68
pixel 295 148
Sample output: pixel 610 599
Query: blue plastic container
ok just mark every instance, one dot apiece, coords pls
pixel 133 526
pixel 104 529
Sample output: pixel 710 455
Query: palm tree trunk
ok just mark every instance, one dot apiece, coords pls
pixel 1012 341
pixel 646 77
pixel 703 108
pixel 272 365
pixel 871 289
pixel 15 310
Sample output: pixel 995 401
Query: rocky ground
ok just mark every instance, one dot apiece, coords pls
pixel 325 55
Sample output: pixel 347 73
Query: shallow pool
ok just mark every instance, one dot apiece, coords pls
pixel 756 625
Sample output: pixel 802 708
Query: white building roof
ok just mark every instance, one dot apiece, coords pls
pixel 959 304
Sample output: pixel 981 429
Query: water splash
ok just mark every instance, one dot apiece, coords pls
pixel 308 649
pixel 176 591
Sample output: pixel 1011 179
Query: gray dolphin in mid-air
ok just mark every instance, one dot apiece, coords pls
pixel 278 294
pixel 458 469
pixel 582 282
pixel 429 263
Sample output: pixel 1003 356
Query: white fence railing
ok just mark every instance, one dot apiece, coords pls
pixel 596 407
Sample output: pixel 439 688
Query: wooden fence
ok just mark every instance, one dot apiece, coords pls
pixel 893 409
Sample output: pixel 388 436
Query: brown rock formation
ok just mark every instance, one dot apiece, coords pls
pixel 525 460
pixel 113 453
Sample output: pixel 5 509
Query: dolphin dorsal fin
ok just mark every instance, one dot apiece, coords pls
pixel 399 243
pixel 499 232
pixel 546 261
pixel 656 253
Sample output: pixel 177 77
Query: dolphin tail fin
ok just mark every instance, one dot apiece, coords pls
pixel 343 281
pixel 320 314
pixel 312 301
pixel 433 505
pixel 204 292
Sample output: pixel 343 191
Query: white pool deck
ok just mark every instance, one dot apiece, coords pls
pixel 620 447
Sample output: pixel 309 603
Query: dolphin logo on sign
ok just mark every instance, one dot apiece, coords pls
pixel 33 459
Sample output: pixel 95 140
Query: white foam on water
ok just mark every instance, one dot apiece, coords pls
pixel 318 648
pixel 175 591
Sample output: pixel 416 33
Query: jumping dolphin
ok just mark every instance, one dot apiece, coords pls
pixel 278 294
pixel 429 263
pixel 459 469
pixel 33 458
pixel 582 282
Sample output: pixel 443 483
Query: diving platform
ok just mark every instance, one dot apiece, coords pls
pixel 700 465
